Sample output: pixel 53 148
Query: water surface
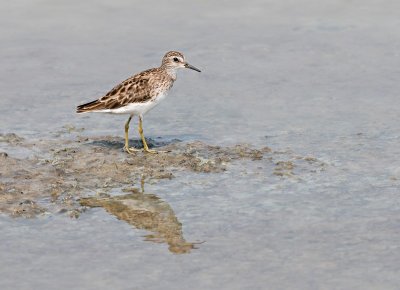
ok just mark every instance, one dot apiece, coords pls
pixel 316 79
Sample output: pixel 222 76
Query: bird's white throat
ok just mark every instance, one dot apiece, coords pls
pixel 171 72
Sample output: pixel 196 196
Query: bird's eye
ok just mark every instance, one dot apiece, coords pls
pixel 176 59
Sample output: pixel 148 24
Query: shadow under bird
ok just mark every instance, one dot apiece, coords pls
pixel 139 94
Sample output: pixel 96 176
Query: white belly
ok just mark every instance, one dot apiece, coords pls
pixel 137 108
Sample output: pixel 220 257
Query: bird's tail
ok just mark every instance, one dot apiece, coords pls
pixel 88 107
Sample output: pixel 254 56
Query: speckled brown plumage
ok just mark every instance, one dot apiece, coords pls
pixel 140 88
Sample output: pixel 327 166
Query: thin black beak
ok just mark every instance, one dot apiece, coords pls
pixel 192 67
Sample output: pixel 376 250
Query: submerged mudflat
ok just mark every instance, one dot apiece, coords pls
pixel 64 170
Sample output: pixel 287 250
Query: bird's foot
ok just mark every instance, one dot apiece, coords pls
pixel 131 150
pixel 151 151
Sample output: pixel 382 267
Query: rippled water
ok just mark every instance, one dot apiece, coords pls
pixel 319 79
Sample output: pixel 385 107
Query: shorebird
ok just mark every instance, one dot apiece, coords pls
pixel 139 94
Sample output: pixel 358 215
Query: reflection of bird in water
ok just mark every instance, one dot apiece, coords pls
pixel 147 212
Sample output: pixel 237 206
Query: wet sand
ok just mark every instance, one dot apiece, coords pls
pixel 63 170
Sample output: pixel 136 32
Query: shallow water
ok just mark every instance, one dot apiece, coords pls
pixel 316 79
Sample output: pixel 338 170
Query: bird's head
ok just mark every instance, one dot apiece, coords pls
pixel 173 60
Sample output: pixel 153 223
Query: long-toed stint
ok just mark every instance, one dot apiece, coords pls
pixel 139 94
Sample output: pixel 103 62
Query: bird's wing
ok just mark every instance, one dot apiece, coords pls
pixel 136 89
pixel 132 90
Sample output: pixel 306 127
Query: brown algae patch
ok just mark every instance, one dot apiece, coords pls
pixel 284 168
pixel 59 172
pixel 11 138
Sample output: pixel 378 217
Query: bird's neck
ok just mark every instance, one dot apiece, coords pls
pixel 170 71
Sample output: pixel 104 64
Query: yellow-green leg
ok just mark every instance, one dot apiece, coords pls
pixel 130 150
pixel 145 147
